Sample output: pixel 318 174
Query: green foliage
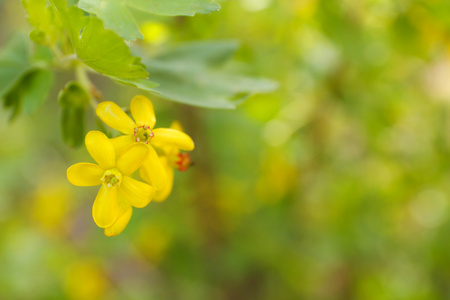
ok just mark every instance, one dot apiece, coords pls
pixel 143 84
pixel 73 100
pixel 47 27
pixel 117 16
pixel 193 74
pixel 24 79
pixel 37 85
pixel 101 49
pixel 201 54
pixel 31 92
pixel 14 62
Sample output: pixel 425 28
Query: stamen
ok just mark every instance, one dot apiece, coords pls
pixel 143 134
pixel 112 178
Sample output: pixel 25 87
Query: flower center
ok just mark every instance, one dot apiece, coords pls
pixel 183 161
pixel 112 178
pixel 143 134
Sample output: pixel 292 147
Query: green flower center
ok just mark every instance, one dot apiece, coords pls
pixel 112 178
pixel 143 134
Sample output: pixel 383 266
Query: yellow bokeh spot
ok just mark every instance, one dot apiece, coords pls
pixel 278 178
pixel 85 281
pixel 52 203
pixel 155 32
pixel 306 9
pixel 154 241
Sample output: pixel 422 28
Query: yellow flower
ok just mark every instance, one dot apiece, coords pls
pixel 142 131
pixel 172 159
pixel 118 192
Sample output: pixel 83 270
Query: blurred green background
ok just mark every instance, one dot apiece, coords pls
pixel 336 186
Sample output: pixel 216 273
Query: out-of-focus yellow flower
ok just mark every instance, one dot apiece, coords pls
pixel 172 159
pixel 278 177
pixel 118 192
pixel 155 32
pixel 153 241
pixel 52 203
pixel 140 131
pixel 85 281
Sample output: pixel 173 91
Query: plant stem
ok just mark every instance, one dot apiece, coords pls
pixel 57 52
pixel 83 79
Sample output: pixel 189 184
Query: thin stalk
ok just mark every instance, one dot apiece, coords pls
pixel 83 79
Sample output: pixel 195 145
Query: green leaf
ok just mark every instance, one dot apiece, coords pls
pixel 192 74
pixel 143 84
pixel 30 93
pixel 14 63
pixel 210 89
pixel 12 101
pixel 24 81
pixel 200 54
pixel 42 56
pixel 36 88
pixel 101 49
pixel 47 27
pixel 117 16
pixel 73 100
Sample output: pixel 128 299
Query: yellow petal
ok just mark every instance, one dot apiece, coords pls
pixel 85 174
pixel 171 137
pixel 125 212
pixel 163 193
pixel 153 170
pixel 120 224
pixel 101 149
pixel 137 193
pixel 132 158
pixel 142 111
pixel 177 126
pixel 144 175
pixel 114 117
pixel 106 207
pixel 122 142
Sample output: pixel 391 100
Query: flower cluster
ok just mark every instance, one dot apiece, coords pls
pixel 118 158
